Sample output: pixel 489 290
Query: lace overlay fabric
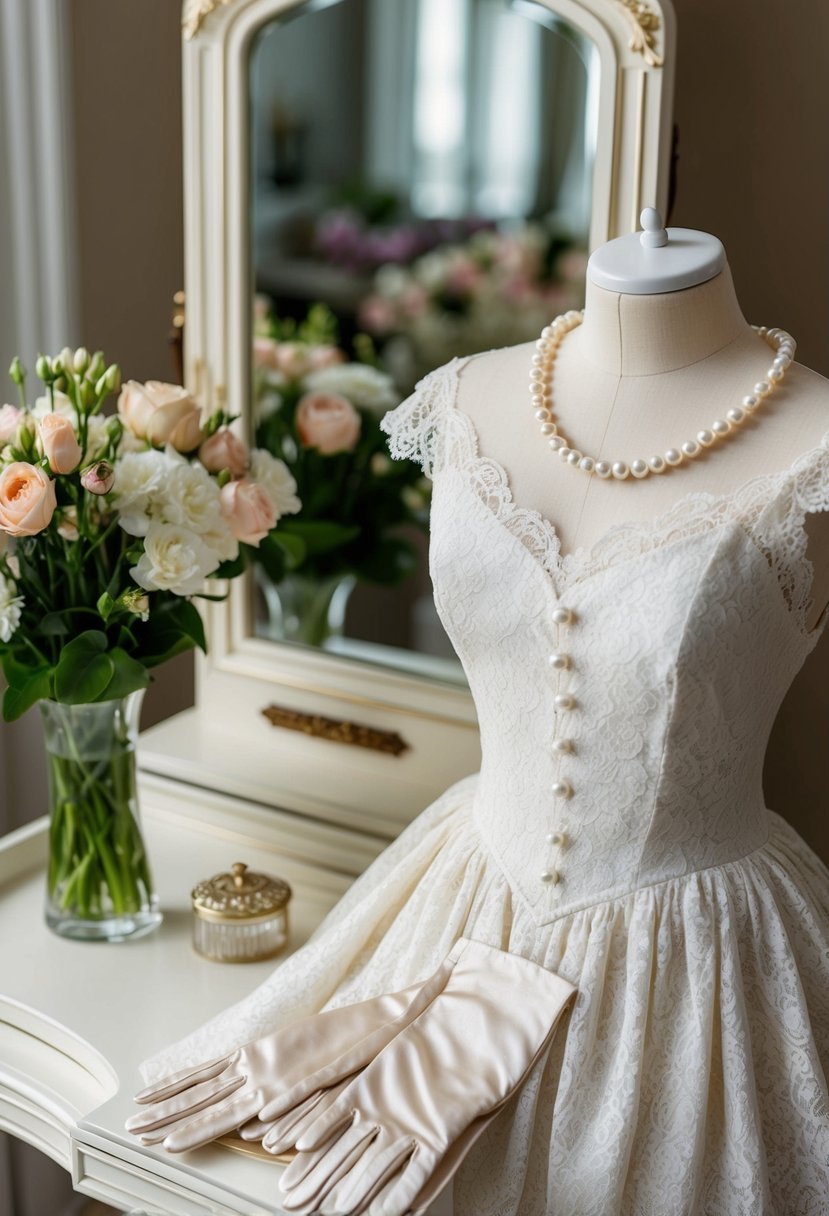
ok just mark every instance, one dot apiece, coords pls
pixel 689 1078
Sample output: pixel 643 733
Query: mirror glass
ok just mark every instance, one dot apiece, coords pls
pixel 421 177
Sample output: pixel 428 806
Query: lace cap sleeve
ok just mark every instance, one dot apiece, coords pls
pixel 413 427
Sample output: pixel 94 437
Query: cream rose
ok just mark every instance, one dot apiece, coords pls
pixel 59 443
pixel 225 450
pixel 27 499
pixel 297 359
pixel 10 419
pixel 276 478
pixel 249 510
pixel 161 413
pixel 174 559
pixel 327 422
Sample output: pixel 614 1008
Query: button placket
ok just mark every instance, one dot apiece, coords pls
pixel 560 662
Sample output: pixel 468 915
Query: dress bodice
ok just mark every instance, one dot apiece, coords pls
pixel 626 692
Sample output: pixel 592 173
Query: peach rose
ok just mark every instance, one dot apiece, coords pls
pixel 297 359
pixel 27 499
pixel 266 353
pixel 10 419
pixel 161 413
pixel 59 443
pixel 225 450
pixel 327 422
pixel 248 509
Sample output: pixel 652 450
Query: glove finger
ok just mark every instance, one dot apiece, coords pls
pixel 333 1119
pixel 177 1081
pixel 310 1176
pixel 254 1129
pixel 378 1165
pixel 186 1103
pixel 219 1121
pixel 284 1133
pixel 406 1185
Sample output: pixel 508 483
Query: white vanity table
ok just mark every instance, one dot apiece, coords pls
pixel 220 783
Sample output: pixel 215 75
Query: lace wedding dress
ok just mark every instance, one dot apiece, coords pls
pixel 690 1077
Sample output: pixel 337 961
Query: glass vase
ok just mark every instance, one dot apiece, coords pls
pixel 99 883
pixel 306 609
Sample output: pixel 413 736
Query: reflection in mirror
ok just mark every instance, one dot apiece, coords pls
pixel 421 183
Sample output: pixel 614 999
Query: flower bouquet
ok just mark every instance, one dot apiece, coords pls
pixel 109 527
pixel 493 290
pixel 320 414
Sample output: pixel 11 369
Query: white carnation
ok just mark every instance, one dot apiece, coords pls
pixel 190 497
pixel 277 481
pixel 174 559
pixel 11 605
pixel 139 480
pixel 362 384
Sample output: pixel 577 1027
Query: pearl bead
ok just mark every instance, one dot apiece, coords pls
pixel 547 332
pixel 563 745
pixel 782 361
pixel 619 470
pixel 573 456
pixel 558 838
pixel 537 373
pixel 556 442
pixel 587 463
pixel 775 374
pixel 706 438
pixel 690 448
pixel 751 402
pixel 559 660
pixel 562 616
pixel 656 464
pixel 550 876
pixel 673 457
pixel 721 427
pixel 537 401
pixel 537 361
pixel 735 416
pixel 564 452
pixel 602 469
pixel 548 428
pixel 639 468
pixel 561 789
pixel 564 700
pixel 762 388
pixel 542 414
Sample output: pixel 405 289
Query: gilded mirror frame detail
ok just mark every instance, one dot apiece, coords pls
pixel 635 46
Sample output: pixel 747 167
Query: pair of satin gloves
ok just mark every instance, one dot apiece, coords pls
pixel 383 1099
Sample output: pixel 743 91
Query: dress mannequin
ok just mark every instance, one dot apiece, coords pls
pixel 643 373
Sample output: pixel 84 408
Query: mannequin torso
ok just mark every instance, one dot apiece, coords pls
pixel 641 374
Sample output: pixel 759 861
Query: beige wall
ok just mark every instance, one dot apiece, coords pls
pixel 752 95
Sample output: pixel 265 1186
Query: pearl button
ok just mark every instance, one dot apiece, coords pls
pixel 559 661
pixel 550 876
pixel 557 838
pixel 563 745
pixel 562 616
pixel 564 700
pixel 561 789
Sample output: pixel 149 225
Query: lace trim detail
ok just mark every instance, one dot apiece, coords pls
pixel 432 427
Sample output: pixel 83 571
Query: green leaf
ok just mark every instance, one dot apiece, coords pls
pixel 105 606
pixel 294 548
pixel 18 698
pixel 320 536
pixel 128 676
pixel 83 669
pixel 53 625
pixel 392 560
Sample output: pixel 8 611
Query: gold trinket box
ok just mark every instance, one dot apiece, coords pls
pixel 240 917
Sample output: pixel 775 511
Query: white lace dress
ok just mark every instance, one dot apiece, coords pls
pixel 690 1077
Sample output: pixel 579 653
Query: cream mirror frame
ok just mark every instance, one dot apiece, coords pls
pixel 413 736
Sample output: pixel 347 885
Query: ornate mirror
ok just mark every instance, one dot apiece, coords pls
pixel 372 187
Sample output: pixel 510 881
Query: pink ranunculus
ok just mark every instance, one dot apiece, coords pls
pixel 248 509
pixel 225 450
pixel 59 442
pixel 266 353
pixel 162 413
pixel 10 419
pixel 98 478
pixel 27 499
pixel 327 422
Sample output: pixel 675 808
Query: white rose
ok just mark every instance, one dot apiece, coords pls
pixel 139 478
pixel 63 406
pixel 363 385
pixel 190 497
pixel 11 605
pixel 96 436
pixel 222 542
pixel 277 481
pixel 174 559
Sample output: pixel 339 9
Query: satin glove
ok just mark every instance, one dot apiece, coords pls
pixel 431 1091
pixel 277 1073
pixel 281 1134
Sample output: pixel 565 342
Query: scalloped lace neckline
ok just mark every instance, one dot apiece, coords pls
pixel 694 511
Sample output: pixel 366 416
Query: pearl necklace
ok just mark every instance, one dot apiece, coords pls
pixel 542 402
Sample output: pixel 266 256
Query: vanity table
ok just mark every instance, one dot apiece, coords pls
pixel 297 761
